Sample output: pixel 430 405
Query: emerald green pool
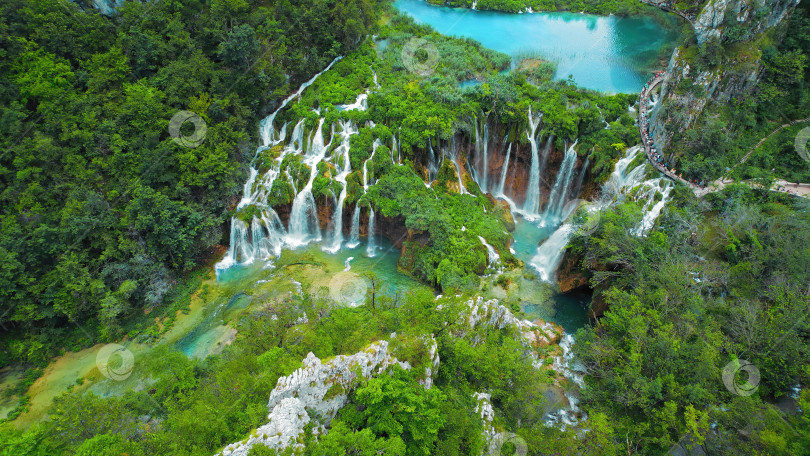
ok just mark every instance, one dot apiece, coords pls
pixel 609 54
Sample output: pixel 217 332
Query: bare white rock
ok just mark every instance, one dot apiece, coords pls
pixel 493 314
pixel 483 407
pixel 305 391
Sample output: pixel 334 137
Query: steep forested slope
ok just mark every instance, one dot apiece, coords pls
pixel 102 212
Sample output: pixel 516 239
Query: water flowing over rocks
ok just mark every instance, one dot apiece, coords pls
pixel 533 335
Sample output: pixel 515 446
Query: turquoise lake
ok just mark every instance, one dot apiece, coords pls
pixel 609 54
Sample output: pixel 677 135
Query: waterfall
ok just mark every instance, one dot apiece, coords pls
pixel 365 168
pixel 581 178
pixel 532 202
pixel 345 169
pixel 555 210
pixel 268 122
pixel 493 256
pixel 371 245
pixel 620 180
pixel 452 154
pixel 461 188
pixel 481 155
pixel 575 372
pixel 354 235
pixel 239 241
pixel 247 189
pixel 269 245
pixel 433 166
pixel 303 226
pixel 485 177
pixel 620 184
pixel 504 171
pixel 550 253
pixel 264 236
pixel 297 137
pixel 652 209
pixel 475 159
pixel 502 186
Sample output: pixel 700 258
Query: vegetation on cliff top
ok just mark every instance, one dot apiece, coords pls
pixel 729 129
pixel 721 278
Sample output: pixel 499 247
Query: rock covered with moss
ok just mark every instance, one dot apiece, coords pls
pixel 719 17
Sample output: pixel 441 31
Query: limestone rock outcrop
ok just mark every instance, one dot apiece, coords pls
pixel 319 387
pixel 493 314
pixel 758 16
pixel 679 109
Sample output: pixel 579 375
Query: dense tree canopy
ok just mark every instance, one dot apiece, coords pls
pixel 102 211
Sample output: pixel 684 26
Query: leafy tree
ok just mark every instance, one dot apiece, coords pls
pixel 396 406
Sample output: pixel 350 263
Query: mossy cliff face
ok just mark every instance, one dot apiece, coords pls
pixel 518 170
pixel 716 16
pixel 730 32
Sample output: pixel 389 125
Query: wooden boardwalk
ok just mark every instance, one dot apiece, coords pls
pixel 798 189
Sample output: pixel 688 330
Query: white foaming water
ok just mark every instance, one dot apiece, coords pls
pixel 532 203
pixel 481 154
pixel 303 226
pixel 652 208
pixel 361 104
pixel 574 372
pixel 269 120
pixel 622 182
pixel 504 172
pixel 371 247
pixel 265 235
pixel 550 253
pixel 493 256
pixel 343 163
pixel 452 154
pixel 433 164
pixel 354 235
pixel 618 186
pixel 558 199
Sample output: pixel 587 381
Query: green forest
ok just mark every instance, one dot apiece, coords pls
pixel 113 232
